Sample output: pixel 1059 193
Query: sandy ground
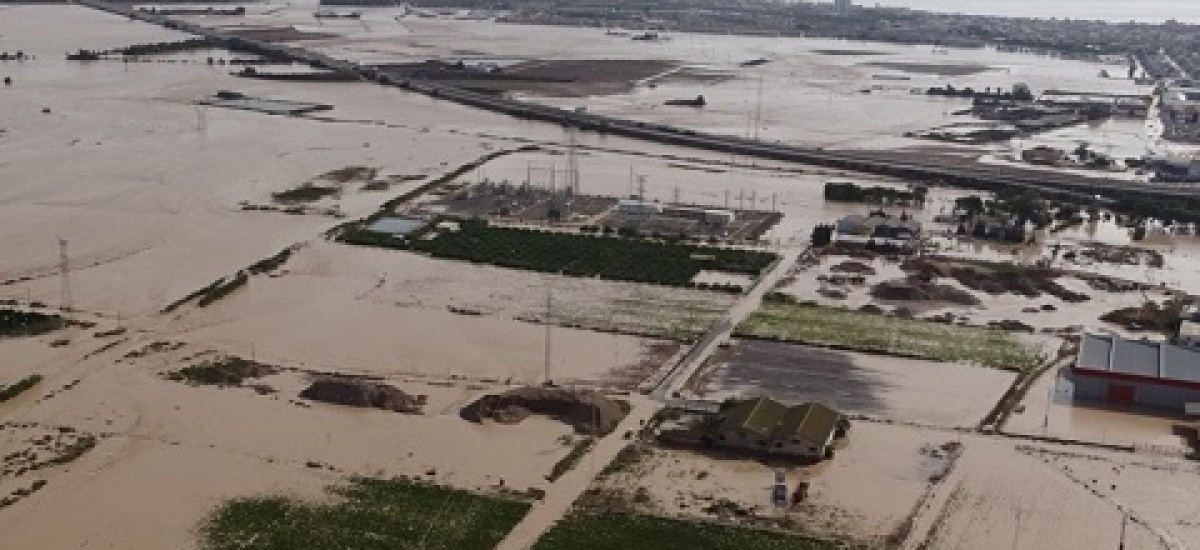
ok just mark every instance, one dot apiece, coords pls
pixel 147 190
pixel 1000 498
pixel 865 494
pixel 413 281
pixel 352 309
pixel 171 452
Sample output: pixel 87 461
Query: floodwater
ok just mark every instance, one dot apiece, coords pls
pixel 1153 11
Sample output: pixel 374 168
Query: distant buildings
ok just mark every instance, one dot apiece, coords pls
pixel 1156 375
pixel 843 7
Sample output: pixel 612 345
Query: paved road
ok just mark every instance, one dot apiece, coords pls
pixel 568 488
pixel 675 380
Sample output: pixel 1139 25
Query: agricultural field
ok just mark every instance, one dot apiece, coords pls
pixel 605 531
pixel 370 513
pixel 858 331
pixel 578 255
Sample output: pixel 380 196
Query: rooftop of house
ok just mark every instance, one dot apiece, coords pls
pixel 769 419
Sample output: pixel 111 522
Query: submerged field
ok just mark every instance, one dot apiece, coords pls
pixel 639 532
pixel 831 327
pixel 369 514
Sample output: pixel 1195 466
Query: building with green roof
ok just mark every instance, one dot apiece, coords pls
pixel 764 425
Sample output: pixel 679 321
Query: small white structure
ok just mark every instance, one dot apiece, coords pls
pixel 634 207
pixel 1189 334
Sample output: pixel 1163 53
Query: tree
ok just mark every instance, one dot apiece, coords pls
pixel 822 235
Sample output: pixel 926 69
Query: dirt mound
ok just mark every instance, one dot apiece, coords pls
pixel 358 393
pixel 994 279
pixel 919 291
pixel 589 412
pixel 850 266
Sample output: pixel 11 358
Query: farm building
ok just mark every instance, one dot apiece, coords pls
pixel 878 225
pixel 1134 372
pixel 764 425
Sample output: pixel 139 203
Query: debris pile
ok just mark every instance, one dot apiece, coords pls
pixel 919 291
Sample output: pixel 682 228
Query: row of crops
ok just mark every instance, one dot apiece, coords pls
pixel 578 255
pixel 605 531
pixel 816 325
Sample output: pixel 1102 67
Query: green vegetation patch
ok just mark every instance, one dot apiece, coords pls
pixel 366 514
pixel 9 392
pixel 606 531
pixel 588 255
pixel 226 371
pixel 14 322
pixel 846 329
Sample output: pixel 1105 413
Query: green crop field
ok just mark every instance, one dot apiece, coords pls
pixel 579 255
pixel 608 531
pixel 366 514
pixel 824 326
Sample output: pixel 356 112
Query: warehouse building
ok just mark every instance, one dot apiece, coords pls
pixel 1136 372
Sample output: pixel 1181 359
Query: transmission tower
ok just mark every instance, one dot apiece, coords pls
pixel 64 270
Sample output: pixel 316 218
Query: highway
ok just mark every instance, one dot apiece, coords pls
pixel 922 168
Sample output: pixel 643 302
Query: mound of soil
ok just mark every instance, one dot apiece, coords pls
pixel 919 291
pixel 358 393
pixel 850 266
pixel 1123 255
pixel 589 412
pixel 995 279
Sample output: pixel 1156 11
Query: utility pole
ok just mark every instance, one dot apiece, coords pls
pixel 549 326
pixel 572 162
pixel 676 201
pixel 726 199
pixel 64 270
